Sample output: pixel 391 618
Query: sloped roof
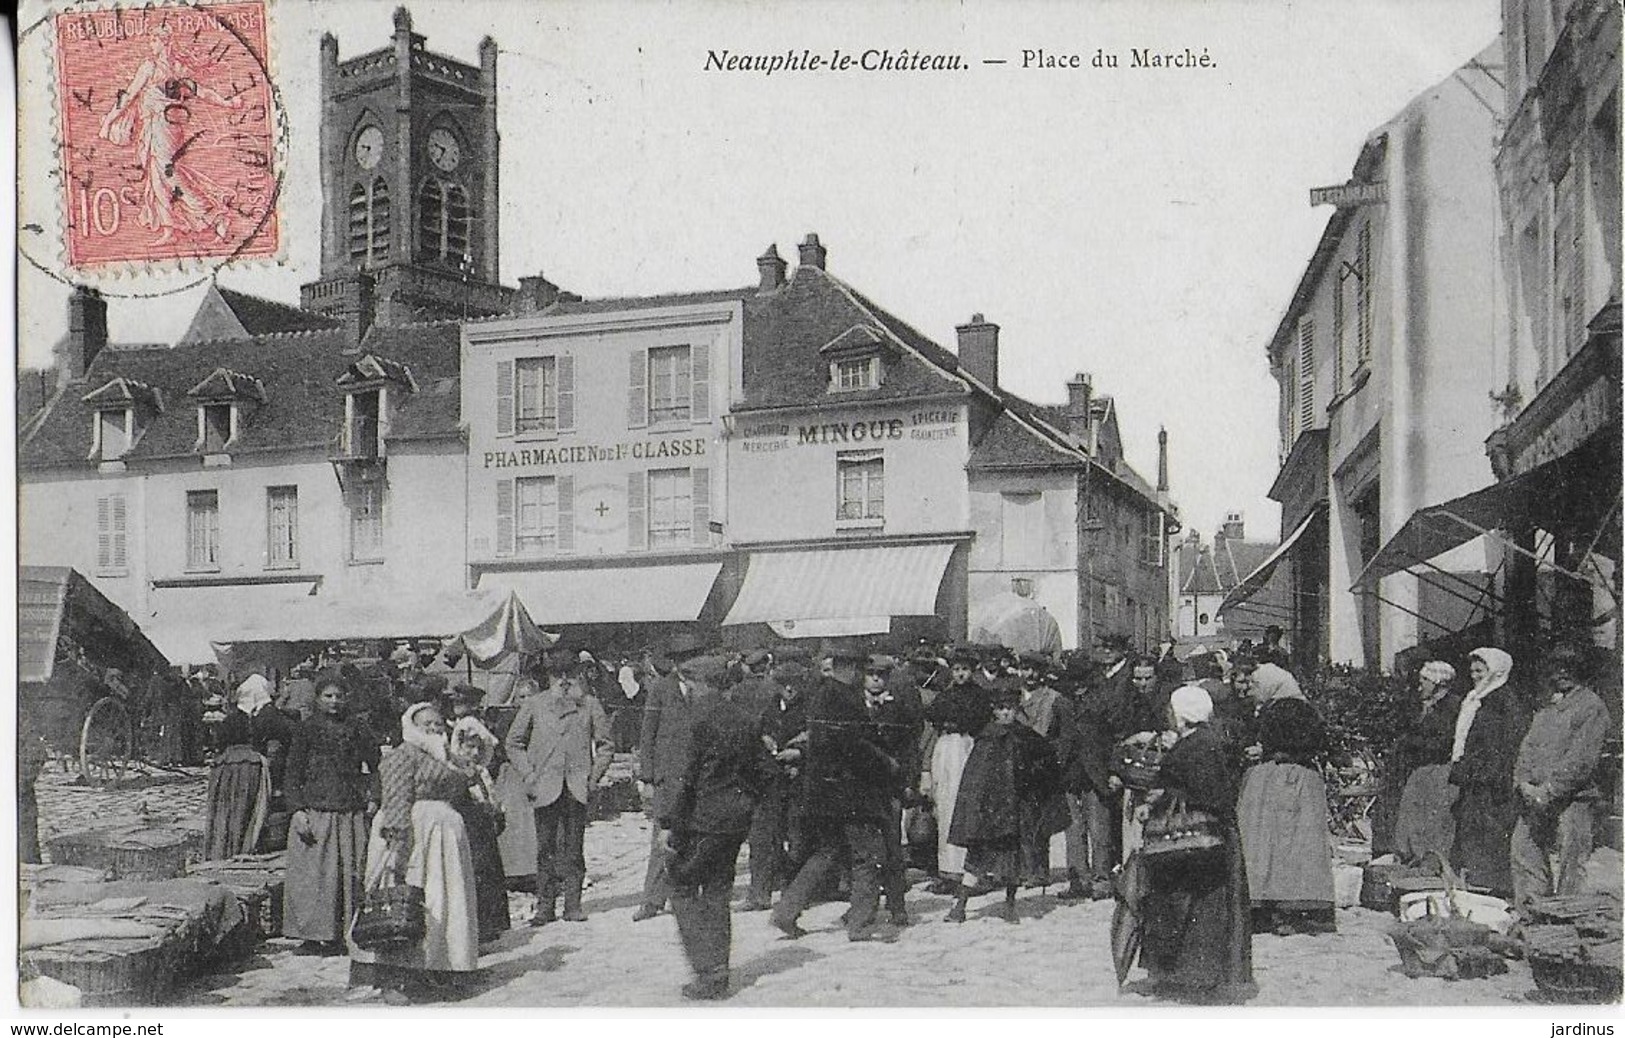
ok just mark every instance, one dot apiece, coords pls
pixel 225 384
pixel 304 406
pixel 1009 444
pixel 1217 568
pixel 261 316
pixel 786 329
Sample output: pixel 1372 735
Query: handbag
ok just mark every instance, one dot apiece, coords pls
pixel 391 915
pixel 1139 761
pixel 1180 831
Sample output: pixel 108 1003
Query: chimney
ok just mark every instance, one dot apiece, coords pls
pixel 771 269
pixel 87 330
pixel 535 294
pixel 1162 465
pixel 1079 398
pixel 1235 529
pixel 812 253
pixel 979 350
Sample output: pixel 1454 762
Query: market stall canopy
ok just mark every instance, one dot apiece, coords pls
pixel 507 631
pixel 1569 490
pixel 54 602
pixel 1017 623
pixel 1254 582
pixel 623 594
pixel 841 584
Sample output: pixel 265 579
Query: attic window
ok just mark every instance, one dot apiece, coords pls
pixel 363 432
pixel 854 373
pixel 112 433
pixel 217 427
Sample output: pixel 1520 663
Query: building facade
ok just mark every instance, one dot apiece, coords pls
pixel 1382 359
pixel 1556 452
pixel 1205 574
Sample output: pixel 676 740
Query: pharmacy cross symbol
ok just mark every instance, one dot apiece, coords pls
pixel 602 509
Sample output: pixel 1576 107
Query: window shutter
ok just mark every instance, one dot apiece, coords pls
pixel 504 398
pixel 1306 374
pixel 505 530
pixel 104 533
pixel 700 491
pixel 699 375
pixel 637 523
pixel 1363 327
pixel 1339 329
pixel 119 557
pixel 637 397
pixel 566 487
pixel 565 369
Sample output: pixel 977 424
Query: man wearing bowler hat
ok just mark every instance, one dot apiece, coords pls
pixel 668 722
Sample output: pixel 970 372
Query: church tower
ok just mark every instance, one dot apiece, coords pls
pixel 409 185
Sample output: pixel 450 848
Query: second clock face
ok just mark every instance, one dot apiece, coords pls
pixel 444 151
pixel 369 147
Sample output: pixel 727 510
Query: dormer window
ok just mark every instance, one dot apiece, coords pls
pixel 856 373
pixel 217 427
pixel 114 432
pixel 121 409
pixel 367 386
pixel 854 359
pixel 224 401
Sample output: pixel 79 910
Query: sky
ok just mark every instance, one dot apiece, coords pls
pixel 1144 225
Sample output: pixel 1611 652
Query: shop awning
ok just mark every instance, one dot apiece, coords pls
pixel 1254 582
pixel 612 595
pixel 841 583
pixel 1536 497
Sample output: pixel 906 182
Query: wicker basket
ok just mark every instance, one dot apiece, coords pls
pixel 128 852
pixel 116 972
pixel 1564 980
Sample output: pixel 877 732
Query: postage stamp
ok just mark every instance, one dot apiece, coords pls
pixel 168 124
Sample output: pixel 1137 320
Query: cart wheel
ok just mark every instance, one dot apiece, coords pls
pixel 105 742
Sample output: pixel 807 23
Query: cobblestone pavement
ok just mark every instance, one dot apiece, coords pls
pixel 1059 954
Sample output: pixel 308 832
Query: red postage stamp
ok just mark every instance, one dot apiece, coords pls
pixel 168 134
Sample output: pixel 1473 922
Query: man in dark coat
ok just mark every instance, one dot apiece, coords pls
pixel 1101 711
pixel 768 697
pixel 898 719
pixel 724 773
pixel 848 780
pixel 674 698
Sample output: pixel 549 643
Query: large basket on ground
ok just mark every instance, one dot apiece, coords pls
pixel 131 851
pixel 1574 949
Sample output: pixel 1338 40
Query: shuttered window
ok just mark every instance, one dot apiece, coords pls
pixel 111 517
pixel 505 517
pixel 281 527
pixel 700 482
pixel 536 515
pixel 536 395
pixel 671 393
pixel 1568 267
pixel 567 514
pixel 671 508
pixel 202 529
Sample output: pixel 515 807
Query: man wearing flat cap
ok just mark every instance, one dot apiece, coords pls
pixel 776 829
pixel 898 719
pixel 848 780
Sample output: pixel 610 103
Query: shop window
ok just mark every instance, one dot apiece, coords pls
pixel 203 530
pixel 860 487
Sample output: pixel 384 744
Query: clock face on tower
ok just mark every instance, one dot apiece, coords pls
pixel 444 151
pixel 369 147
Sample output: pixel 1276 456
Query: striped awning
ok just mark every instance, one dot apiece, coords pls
pixel 841 584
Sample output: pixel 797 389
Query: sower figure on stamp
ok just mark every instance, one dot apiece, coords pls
pixel 724 776
pixel 848 781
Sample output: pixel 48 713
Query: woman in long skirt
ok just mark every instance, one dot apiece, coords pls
pixel 1282 812
pixel 418 839
pixel 1489 729
pixel 1197 937
pixel 957 714
pixel 329 770
pixel 1424 825
pixel 238 798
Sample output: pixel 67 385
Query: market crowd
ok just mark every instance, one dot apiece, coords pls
pixel 1191 792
